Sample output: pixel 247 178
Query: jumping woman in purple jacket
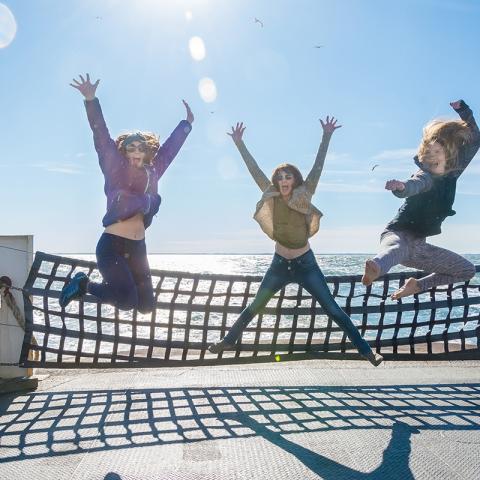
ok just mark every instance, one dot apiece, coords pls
pixel 132 166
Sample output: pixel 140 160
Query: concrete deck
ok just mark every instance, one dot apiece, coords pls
pixel 301 420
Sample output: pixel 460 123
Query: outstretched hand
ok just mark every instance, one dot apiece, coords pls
pixel 456 105
pixel 330 124
pixel 190 118
pixel 86 88
pixel 395 185
pixel 237 132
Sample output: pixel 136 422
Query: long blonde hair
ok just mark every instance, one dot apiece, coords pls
pixel 152 141
pixel 450 134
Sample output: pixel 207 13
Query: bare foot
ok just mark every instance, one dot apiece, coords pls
pixel 372 272
pixel 410 287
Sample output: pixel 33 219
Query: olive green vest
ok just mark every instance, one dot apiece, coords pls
pixel 289 226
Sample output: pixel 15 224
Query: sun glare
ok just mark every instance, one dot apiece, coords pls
pixel 197 48
pixel 8 26
pixel 207 89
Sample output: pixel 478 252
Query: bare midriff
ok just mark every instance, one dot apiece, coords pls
pixel 291 253
pixel 131 228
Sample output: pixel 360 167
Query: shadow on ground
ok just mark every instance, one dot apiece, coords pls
pixel 64 423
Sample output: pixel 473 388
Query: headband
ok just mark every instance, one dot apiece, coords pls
pixel 134 137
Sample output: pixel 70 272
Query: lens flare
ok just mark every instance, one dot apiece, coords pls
pixel 207 89
pixel 8 26
pixel 188 15
pixel 227 168
pixel 197 48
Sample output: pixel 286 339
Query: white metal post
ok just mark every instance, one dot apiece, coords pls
pixel 16 257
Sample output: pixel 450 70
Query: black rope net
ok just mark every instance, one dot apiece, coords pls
pixel 194 310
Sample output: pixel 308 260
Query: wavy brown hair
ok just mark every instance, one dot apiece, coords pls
pixel 292 170
pixel 450 134
pixel 152 141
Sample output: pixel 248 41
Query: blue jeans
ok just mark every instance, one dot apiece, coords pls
pixel 127 282
pixel 305 271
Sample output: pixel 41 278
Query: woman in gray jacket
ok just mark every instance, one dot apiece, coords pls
pixel 446 150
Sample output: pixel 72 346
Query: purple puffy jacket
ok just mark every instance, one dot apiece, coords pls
pixel 131 190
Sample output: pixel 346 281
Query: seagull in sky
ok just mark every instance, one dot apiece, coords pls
pixel 375 166
pixel 259 21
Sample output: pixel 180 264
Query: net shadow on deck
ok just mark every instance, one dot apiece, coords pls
pixel 62 423
pixel 194 310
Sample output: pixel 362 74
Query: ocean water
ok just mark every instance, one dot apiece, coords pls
pixel 239 264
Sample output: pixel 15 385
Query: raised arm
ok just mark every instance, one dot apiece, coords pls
pixel 260 178
pixel 104 144
pixel 101 136
pixel 329 126
pixel 168 151
pixel 471 148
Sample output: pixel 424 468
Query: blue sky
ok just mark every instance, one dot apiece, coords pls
pixel 385 69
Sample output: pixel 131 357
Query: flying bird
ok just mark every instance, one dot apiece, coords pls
pixel 259 21
pixel 375 166
pixel 318 46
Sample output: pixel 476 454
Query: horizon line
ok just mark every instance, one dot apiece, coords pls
pixel 238 253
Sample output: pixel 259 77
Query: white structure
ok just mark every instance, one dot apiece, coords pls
pixel 16 257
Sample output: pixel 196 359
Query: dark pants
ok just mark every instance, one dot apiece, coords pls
pixel 127 282
pixel 305 271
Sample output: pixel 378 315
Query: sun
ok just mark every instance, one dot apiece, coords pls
pixel 8 26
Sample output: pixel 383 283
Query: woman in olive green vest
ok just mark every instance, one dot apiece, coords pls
pixel 285 213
